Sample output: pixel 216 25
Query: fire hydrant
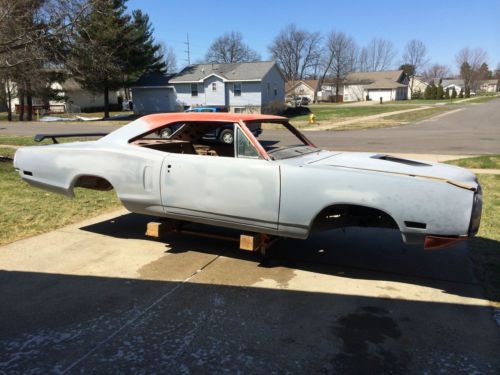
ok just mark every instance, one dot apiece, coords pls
pixel 312 118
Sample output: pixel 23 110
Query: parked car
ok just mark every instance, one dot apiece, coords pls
pixel 280 184
pixel 223 134
pixel 298 101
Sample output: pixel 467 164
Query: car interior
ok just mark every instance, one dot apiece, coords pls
pixel 188 138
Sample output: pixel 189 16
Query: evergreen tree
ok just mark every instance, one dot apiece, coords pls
pixel 439 92
pixel 111 49
pixel 447 93
pixel 461 95
pixel 453 93
pixel 433 92
pixel 427 92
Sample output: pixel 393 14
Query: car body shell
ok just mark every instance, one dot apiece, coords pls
pixel 277 197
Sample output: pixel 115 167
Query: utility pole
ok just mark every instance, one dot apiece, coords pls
pixel 188 51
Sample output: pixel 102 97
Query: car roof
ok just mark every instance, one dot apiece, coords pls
pixel 161 119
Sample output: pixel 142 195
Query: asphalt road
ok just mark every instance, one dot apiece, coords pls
pixel 100 297
pixel 473 130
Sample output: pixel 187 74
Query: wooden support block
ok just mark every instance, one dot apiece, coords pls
pixel 154 229
pixel 250 242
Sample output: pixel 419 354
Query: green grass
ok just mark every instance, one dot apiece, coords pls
pixel 479 162
pixel 422 101
pixel 485 247
pixel 329 114
pixel 481 99
pixel 26 211
pixel 417 115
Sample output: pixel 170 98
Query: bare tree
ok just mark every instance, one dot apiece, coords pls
pixel 469 61
pixel 339 58
pixel 230 48
pixel 415 54
pixel 44 23
pixel 169 58
pixel 377 56
pixel 297 52
pixel 437 71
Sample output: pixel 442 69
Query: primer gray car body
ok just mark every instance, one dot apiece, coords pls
pixel 282 197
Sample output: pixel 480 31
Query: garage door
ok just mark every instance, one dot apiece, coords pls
pixel 150 100
pixel 377 94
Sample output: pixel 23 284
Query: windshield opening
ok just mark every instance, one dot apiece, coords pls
pixel 281 140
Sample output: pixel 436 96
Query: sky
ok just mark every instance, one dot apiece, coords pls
pixel 445 26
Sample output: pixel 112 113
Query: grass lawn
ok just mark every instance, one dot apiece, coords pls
pixel 485 247
pixel 481 99
pixel 414 116
pixel 480 162
pixel 26 211
pixel 329 114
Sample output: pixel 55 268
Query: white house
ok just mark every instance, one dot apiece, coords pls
pixel 416 84
pixel 489 85
pixel 385 86
pixel 304 87
pixel 457 84
pixel 73 98
pixel 239 87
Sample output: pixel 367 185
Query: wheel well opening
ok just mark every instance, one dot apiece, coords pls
pixel 345 215
pixel 93 182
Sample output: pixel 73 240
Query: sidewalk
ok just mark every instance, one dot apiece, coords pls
pixel 362 119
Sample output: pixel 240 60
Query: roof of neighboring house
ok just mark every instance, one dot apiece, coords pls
pixel 449 82
pixel 154 79
pixel 376 80
pixel 312 83
pixel 247 71
pixel 489 82
pixel 70 85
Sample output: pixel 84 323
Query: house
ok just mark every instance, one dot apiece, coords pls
pixel 489 85
pixel 238 87
pixel 328 91
pixel 385 86
pixel 304 87
pixel 73 99
pixel 457 84
pixel 417 86
pixel 152 93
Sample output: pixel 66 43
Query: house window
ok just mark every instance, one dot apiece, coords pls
pixel 214 86
pixel 237 89
pixel 275 92
pixel 194 89
pixel 268 89
pixel 239 109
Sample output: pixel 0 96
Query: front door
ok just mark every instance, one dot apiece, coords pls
pixel 243 189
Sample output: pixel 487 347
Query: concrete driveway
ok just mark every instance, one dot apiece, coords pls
pixel 99 297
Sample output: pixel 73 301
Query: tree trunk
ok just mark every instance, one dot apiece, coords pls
pixel 9 103
pixel 21 107
pixel 337 88
pixel 106 103
pixel 29 100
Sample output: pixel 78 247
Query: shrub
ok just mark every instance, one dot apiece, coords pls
pixel 453 93
pixel 274 108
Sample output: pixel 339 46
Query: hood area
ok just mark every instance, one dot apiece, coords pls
pixel 391 164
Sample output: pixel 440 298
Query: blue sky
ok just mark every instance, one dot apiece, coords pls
pixel 444 26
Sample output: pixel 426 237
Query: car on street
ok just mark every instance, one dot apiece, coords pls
pixel 280 184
